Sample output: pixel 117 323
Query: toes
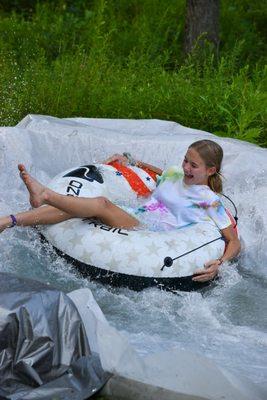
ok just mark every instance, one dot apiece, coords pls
pixel 22 169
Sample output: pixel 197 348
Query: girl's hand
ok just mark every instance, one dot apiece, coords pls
pixel 117 157
pixel 210 271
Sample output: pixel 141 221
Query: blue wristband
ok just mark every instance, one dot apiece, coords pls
pixel 14 221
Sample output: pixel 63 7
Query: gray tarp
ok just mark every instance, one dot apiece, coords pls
pixel 44 351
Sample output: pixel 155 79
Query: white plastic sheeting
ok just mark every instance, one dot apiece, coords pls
pixel 73 142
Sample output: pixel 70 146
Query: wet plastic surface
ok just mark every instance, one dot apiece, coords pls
pixel 44 350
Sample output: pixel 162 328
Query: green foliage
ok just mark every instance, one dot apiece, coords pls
pixel 245 21
pixel 124 59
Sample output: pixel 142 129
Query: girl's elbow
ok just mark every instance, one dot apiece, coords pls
pixel 237 245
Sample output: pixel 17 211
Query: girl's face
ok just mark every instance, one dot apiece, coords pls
pixel 195 170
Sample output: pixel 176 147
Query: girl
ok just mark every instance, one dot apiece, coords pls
pixel 180 199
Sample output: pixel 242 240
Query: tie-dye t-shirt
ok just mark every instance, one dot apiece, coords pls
pixel 175 205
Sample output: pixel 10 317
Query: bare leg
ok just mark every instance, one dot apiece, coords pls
pixel 38 216
pixel 78 207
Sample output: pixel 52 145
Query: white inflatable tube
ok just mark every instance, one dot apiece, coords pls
pixel 132 258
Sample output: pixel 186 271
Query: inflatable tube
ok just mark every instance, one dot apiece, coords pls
pixel 133 258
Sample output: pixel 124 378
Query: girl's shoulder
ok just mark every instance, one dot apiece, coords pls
pixel 172 174
pixel 208 194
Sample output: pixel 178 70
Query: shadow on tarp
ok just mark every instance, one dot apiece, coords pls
pixel 44 350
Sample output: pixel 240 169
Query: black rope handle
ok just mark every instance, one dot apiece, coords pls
pixel 168 261
pixel 231 201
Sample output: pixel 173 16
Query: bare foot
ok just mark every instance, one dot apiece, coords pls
pixel 37 191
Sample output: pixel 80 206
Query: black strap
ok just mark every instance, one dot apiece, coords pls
pixel 231 201
pixel 168 261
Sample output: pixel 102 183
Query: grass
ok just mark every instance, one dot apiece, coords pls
pixel 124 60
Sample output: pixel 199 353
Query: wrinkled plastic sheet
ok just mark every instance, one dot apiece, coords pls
pixel 44 350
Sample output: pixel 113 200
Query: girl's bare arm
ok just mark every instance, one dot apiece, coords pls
pixel 124 161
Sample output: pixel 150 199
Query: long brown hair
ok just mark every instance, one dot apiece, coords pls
pixel 212 155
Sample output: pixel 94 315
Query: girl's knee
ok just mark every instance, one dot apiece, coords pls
pixel 103 203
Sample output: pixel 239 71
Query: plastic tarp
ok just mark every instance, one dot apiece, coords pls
pixel 44 350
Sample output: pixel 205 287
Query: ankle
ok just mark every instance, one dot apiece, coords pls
pixel 47 196
pixel 7 222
